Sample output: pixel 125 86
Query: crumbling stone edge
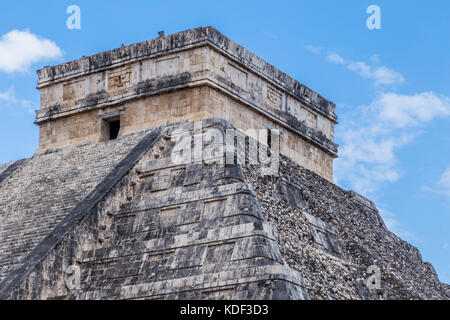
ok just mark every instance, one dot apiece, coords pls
pixel 10 169
pixel 84 207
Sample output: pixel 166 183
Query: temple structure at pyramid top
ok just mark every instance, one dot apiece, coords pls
pixel 191 75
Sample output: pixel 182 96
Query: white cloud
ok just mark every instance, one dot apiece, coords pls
pixel 333 57
pixel 411 110
pixel 368 147
pixel 375 58
pixel 390 219
pixel 386 76
pixel 442 186
pixel 9 97
pixel 444 182
pixel 380 75
pixel 367 158
pixel 313 49
pixel 445 179
pixel 20 49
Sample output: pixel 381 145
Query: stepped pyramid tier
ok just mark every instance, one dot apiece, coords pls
pixel 185 167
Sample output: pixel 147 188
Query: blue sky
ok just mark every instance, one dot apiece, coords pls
pixel 391 86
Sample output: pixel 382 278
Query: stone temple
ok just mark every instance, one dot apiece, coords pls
pixel 186 167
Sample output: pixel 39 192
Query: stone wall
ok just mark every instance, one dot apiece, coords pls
pixel 135 116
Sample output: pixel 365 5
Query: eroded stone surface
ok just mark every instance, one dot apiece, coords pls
pixel 332 239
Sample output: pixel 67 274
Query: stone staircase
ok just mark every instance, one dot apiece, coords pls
pixel 42 190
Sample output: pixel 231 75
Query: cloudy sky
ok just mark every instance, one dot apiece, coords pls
pixel 391 86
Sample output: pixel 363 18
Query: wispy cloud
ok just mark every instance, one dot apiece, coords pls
pixel 392 223
pixel 412 110
pixel 381 75
pixel 335 58
pixel 369 145
pixel 313 49
pixel 8 95
pixel 444 182
pixel 9 98
pixel 371 135
pixel 442 186
pixel 20 49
